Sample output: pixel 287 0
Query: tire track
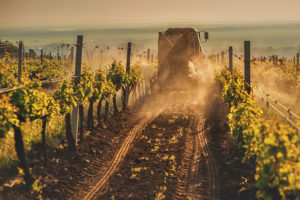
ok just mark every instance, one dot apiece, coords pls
pixel 121 153
pixel 184 170
pixel 196 180
pixel 213 182
pixel 192 179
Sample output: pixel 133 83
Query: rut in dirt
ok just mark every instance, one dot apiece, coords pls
pixel 96 185
pixel 198 176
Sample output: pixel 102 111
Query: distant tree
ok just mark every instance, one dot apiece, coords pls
pixel 6 46
pixel 31 53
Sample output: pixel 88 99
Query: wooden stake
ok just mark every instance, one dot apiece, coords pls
pixel 148 56
pixel 222 57
pixel 75 113
pixel 72 55
pixel 247 65
pixel 20 62
pixel 230 60
pixel 297 60
pixel 126 92
pixel 42 54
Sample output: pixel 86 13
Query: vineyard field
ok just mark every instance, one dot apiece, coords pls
pixel 167 121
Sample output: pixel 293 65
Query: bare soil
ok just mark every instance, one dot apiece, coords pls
pixel 150 169
pixel 66 173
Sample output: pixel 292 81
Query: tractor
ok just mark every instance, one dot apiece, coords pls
pixel 176 48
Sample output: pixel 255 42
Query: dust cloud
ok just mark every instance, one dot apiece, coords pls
pixel 202 94
pixel 277 79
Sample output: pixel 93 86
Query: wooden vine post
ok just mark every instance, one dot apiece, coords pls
pixel 75 112
pixel 148 55
pixel 42 54
pixel 20 54
pixel 247 65
pixel 126 92
pixel 58 52
pixel 297 66
pixel 23 57
pixel 230 59
pixel 72 56
pixel 222 57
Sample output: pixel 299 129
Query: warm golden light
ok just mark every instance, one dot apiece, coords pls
pixel 57 12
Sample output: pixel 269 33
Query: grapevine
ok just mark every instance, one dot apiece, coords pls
pixel 117 76
pixel 274 144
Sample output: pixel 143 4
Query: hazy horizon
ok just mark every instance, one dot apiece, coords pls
pixel 149 24
pixel 266 39
pixel 272 26
pixel 35 13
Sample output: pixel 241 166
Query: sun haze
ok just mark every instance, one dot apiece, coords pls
pixel 78 12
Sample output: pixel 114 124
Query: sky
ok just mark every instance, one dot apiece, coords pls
pixel 79 12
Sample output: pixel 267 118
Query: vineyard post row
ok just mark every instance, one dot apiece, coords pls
pixel 75 111
pixel 247 61
pixel 219 58
pixel 78 62
pixel 77 74
pixel 247 65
